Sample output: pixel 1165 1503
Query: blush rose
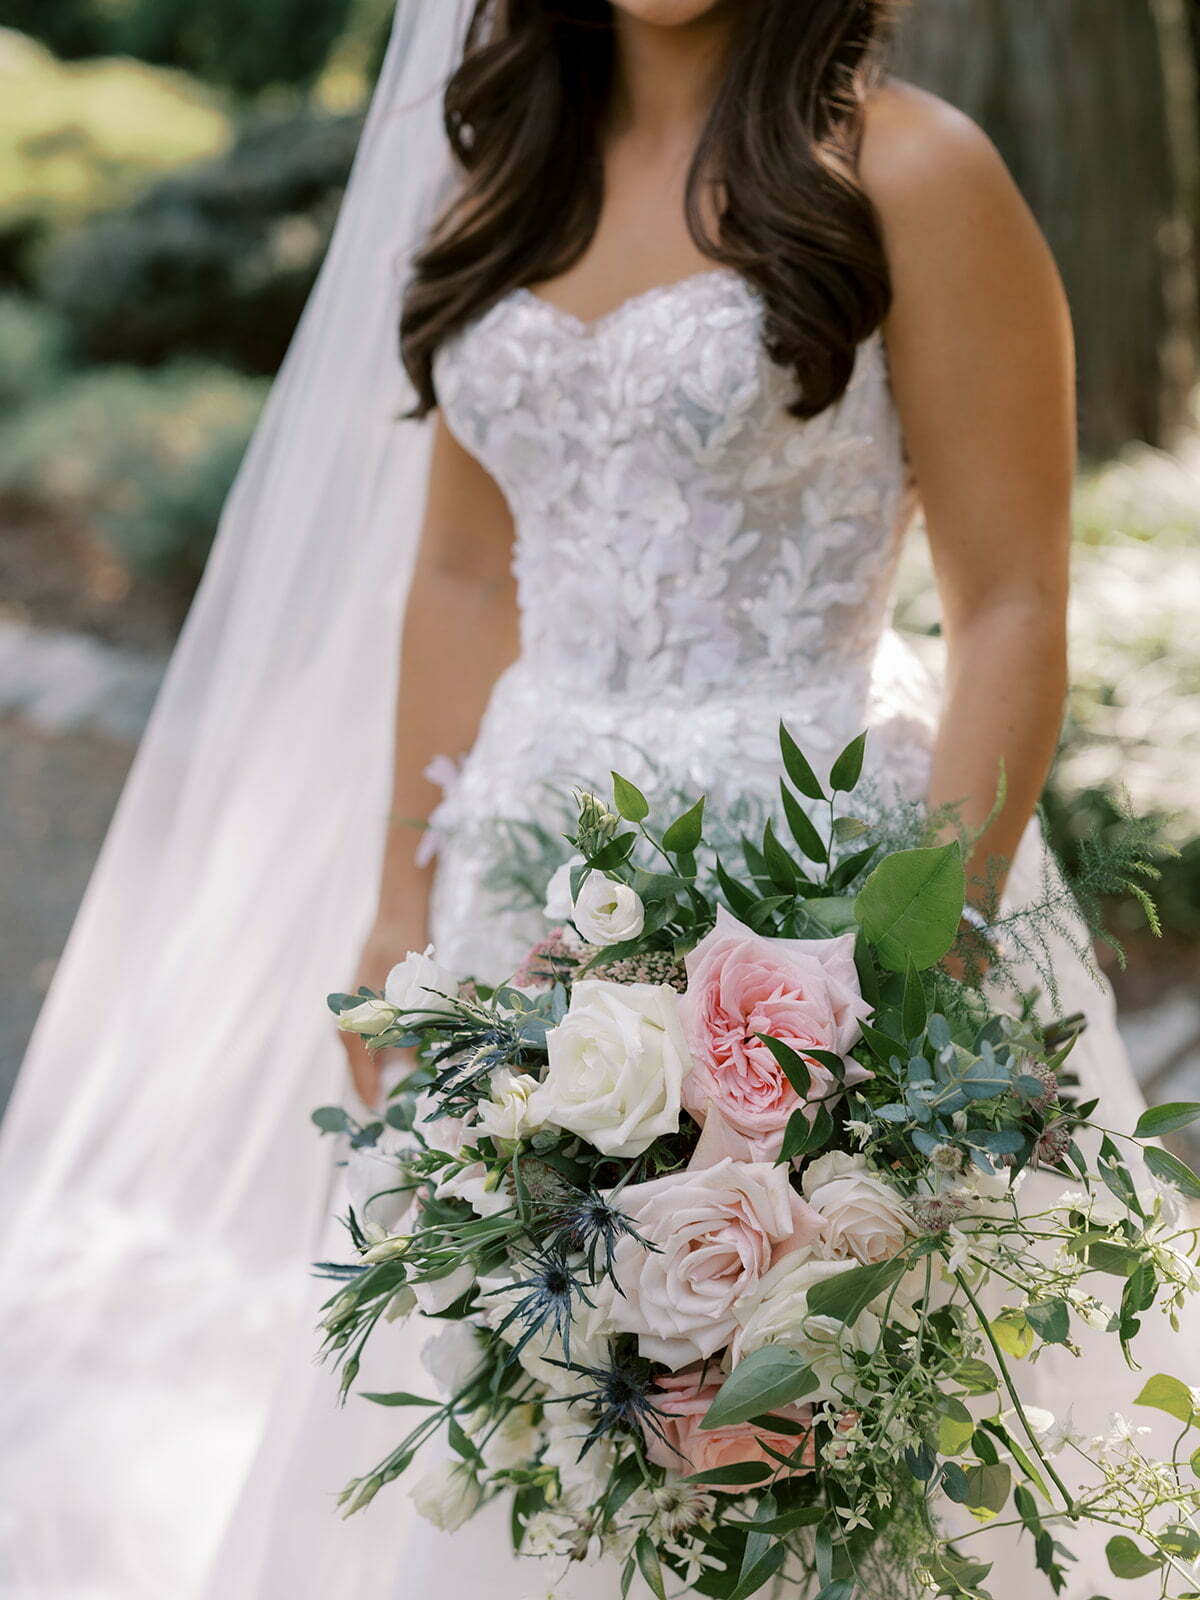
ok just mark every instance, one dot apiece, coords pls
pixel 804 992
pixel 715 1233
pixel 681 1445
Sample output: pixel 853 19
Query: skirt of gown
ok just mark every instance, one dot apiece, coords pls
pixel 285 1541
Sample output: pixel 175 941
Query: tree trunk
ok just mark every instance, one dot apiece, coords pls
pixel 1092 104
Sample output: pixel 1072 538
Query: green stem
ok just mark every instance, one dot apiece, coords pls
pixel 1030 1434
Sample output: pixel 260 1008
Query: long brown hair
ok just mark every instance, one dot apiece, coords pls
pixel 525 114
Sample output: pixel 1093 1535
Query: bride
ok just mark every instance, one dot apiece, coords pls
pixel 703 307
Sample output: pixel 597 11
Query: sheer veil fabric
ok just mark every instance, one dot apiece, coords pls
pixel 161 1190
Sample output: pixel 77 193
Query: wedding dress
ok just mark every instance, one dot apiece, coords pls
pixel 693 565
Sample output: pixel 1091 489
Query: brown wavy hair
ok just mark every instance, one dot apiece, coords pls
pixel 525 114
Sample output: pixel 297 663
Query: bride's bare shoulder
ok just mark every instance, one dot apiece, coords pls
pixel 918 148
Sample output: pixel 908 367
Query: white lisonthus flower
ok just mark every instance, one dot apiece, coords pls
pixel 509 1113
pixel 418 983
pixel 448 1496
pixel 606 912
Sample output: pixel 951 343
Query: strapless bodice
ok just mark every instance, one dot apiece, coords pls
pixel 678 533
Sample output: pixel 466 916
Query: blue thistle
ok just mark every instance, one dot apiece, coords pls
pixel 550 1291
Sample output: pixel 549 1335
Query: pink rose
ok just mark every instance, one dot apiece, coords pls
pixel 681 1445
pixel 717 1232
pixel 802 991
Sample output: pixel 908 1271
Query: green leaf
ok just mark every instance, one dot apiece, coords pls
pixel 685 832
pixel 955 1427
pixel 835 912
pixel 629 800
pixel 785 874
pixel 1157 1120
pixel 1169 1169
pixel 914 1013
pixel 988 1488
pixel 761 1562
pixel 1168 1394
pixel 881 1045
pixel 331 1119
pixel 767 1379
pixel 848 1294
pixel 737 1473
pixel 650 1566
pixel 1127 1561
pixel 1012 1333
pixel 802 827
pixel 802 1137
pixel 794 1068
pixel 910 906
pixel 847 769
pixel 398 1398
pixel 1051 1320
pixel 797 767
pixel 847 828
pixel 975 1376
pixel 1180 1540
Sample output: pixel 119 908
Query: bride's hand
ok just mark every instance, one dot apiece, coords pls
pixel 384 947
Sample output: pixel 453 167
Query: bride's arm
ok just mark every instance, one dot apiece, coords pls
pixel 980 348
pixel 460 632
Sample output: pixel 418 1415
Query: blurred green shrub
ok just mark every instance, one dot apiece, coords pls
pixel 1132 731
pixel 80 138
pixel 145 457
pixel 32 343
pixel 217 260
pixel 247 47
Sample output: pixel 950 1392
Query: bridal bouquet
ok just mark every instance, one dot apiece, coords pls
pixel 725 1217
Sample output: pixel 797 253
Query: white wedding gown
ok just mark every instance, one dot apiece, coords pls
pixel 694 565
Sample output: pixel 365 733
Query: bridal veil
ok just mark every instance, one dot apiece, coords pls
pixel 160 1186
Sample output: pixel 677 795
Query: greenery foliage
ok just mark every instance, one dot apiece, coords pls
pixel 147 456
pixel 246 47
pixel 80 138
pixel 217 260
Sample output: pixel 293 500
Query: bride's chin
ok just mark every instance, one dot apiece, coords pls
pixel 669 13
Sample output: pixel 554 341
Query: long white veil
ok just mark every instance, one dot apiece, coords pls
pixel 160 1186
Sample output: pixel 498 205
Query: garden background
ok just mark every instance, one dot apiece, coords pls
pixel 169 175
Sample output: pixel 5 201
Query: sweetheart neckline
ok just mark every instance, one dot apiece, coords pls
pixel 587 326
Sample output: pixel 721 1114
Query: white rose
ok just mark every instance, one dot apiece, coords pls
pixel 374 1177
pixel 453 1357
pixel 418 984
pixel 509 1114
pixel 864 1216
pixel 776 1311
pixel 606 912
pixel 437 1293
pixel 367 1019
pixel 448 1495
pixel 616 1066
pixel 558 891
